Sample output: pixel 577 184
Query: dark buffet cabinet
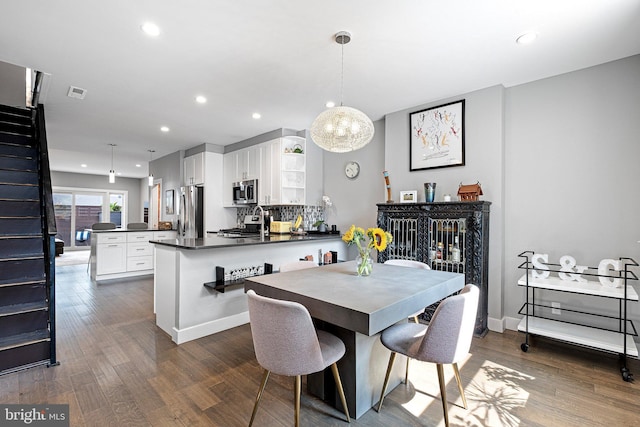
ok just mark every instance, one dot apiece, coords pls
pixel 448 236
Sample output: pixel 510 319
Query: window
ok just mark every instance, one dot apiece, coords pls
pixel 76 211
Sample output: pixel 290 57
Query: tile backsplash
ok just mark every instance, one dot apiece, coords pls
pixel 310 214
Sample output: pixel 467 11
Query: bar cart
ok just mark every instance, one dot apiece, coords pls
pixel 581 327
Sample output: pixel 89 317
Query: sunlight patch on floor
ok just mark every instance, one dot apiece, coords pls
pixel 494 394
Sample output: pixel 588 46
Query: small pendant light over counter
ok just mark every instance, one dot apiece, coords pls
pixel 150 174
pixel 112 173
pixel 342 129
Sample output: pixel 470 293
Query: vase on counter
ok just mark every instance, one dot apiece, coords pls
pixel 364 264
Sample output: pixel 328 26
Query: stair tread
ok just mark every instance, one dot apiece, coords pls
pixel 21 258
pixel 19 111
pixel 26 307
pixel 20 340
pixel 18 184
pixel 29 282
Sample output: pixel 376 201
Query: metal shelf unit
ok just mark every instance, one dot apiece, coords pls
pixel 616 338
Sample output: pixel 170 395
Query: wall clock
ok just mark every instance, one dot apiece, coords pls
pixel 351 170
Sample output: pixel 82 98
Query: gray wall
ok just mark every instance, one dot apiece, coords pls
pixel 556 157
pixel 354 201
pixel 571 156
pixel 483 162
pixel 13 87
pixel 101 182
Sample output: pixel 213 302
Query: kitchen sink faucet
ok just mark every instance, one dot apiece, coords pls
pixel 261 221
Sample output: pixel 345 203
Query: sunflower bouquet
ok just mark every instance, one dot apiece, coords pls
pixel 373 238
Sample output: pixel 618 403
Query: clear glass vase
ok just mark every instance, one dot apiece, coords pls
pixel 364 264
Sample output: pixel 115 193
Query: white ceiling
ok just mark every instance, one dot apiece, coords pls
pixel 278 57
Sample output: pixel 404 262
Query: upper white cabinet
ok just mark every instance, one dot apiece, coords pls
pixel 242 164
pixel 194 170
pixel 238 166
pixel 286 173
pixel 269 192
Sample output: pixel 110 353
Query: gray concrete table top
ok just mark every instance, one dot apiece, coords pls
pixel 368 305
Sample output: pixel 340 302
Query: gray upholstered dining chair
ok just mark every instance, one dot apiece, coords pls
pixel 447 339
pixel 100 226
pixel 411 264
pixel 287 343
pixel 297 265
pixel 137 226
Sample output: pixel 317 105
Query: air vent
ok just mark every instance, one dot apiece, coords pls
pixel 76 92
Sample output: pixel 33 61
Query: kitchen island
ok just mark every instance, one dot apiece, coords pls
pixel 120 253
pixel 188 309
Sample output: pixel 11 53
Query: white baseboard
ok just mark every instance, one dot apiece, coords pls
pixel 495 325
pixel 511 323
pixel 499 325
pixel 181 336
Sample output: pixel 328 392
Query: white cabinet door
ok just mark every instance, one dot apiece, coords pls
pixel 229 176
pixel 194 169
pixel 164 235
pixel 253 162
pixel 111 258
pixel 269 181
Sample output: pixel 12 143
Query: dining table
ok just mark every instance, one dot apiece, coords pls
pixel 357 309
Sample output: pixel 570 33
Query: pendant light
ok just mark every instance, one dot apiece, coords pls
pixel 112 173
pixel 342 129
pixel 150 174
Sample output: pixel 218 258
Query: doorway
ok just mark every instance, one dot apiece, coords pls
pixel 77 210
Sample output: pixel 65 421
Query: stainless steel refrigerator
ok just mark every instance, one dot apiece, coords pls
pixel 191 212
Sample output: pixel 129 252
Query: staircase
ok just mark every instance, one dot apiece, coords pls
pixel 27 247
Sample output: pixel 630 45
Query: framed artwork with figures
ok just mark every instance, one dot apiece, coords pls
pixel 437 137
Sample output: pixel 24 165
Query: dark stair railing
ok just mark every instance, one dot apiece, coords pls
pixel 27 242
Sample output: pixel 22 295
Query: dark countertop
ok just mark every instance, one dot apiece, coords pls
pixel 214 242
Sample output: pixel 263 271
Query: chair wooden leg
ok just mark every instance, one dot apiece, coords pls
pixel 336 377
pixel 406 372
pixel 455 370
pixel 263 384
pixel 297 409
pixel 443 393
pixel 386 378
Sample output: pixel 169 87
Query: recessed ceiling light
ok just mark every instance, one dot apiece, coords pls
pixel 201 99
pixel 256 116
pixel 164 129
pixel 150 29
pixel 330 104
pixel 83 165
pixel 138 165
pixel 527 38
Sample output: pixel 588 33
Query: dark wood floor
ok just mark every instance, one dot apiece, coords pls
pixel 117 368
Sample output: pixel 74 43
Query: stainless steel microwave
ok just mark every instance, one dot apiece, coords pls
pixel 245 192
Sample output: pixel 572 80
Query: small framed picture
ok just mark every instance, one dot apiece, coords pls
pixel 408 196
pixel 169 202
